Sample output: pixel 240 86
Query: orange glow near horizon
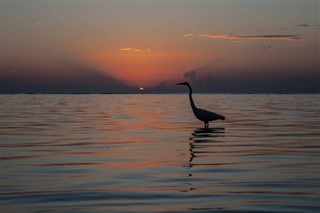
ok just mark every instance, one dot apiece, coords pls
pixel 143 66
pixel 143 44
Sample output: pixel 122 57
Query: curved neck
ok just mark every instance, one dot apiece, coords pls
pixel 193 106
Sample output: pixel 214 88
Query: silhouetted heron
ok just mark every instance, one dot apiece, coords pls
pixel 202 114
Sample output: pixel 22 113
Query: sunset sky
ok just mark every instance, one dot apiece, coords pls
pixel 118 44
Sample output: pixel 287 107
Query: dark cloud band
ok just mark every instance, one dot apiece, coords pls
pixel 249 37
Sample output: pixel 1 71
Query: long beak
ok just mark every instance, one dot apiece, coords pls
pixel 180 84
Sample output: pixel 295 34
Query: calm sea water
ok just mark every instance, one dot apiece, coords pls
pixel 147 153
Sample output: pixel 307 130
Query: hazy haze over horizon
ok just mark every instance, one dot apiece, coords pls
pixel 119 46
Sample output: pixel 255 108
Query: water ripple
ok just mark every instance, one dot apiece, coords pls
pixel 110 153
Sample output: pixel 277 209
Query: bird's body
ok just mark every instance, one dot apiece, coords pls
pixel 202 114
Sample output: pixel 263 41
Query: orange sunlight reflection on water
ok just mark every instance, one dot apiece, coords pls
pixel 147 153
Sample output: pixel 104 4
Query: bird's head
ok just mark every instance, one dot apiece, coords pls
pixel 183 83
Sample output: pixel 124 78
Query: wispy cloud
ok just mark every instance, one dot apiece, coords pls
pixel 249 37
pixel 303 25
pixel 188 35
pixel 125 49
pixel 39 24
pixel 134 49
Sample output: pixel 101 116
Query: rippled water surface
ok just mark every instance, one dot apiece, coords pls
pixel 147 153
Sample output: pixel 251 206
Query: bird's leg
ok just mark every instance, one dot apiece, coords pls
pixel 206 125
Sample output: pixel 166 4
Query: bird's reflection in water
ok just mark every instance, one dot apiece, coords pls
pixel 202 136
pixel 202 140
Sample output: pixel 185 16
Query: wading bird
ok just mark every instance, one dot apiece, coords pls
pixel 202 114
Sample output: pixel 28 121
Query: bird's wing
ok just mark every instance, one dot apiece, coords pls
pixel 206 115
